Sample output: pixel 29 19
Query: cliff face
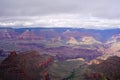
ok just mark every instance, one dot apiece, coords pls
pixel 72 40
pixel 89 40
pixel 8 34
pixel 28 35
pixel 25 66
pixel 109 68
pixel 113 45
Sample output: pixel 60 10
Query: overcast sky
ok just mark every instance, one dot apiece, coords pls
pixel 100 14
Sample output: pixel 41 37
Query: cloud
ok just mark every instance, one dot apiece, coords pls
pixel 61 20
pixel 98 8
pixel 60 13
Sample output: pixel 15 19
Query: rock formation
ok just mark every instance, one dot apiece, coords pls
pixel 72 40
pixel 7 34
pixel 109 68
pixel 25 66
pixel 89 40
pixel 28 35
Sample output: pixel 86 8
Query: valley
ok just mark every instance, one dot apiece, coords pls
pixel 75 54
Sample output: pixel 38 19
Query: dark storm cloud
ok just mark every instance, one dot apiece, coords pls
pixel 98 8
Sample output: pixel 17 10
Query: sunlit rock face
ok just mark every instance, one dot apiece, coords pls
pixel 93 62
pixel 72 40
pixel 28 65
pixel 89 40
pixel 113 45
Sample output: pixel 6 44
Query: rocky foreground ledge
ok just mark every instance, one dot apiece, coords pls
pixel 28 65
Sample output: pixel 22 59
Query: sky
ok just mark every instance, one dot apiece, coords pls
pixel 93 14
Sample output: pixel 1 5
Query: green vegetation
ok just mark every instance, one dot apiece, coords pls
pixel 68 70
pixel 71 76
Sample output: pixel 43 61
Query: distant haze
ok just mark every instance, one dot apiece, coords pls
pixel 95 14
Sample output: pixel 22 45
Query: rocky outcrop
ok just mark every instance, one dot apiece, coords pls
pixel 28 35
pixel 56 39
pixel 7 34
pixel 114 38
pixel 113 45
pixel 71 33
pixel 72 40
pixel 89 40
pixel 109 68
pixel 94 61
pixel 25 66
